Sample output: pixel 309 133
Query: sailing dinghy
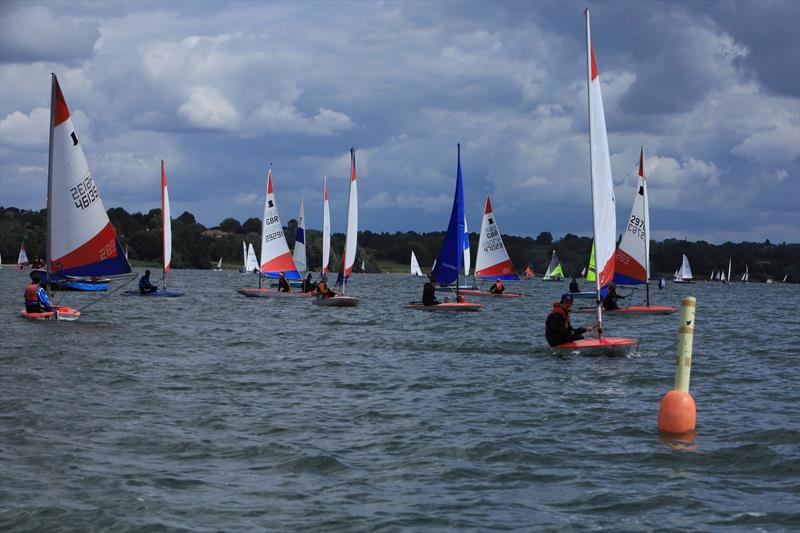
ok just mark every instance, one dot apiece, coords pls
pixel 632 258
pixel 350 246
pixel 326 229
pixel 603 214
pixel 415 269
pixel 22 258
pixel 275 255
pixel 218 268
pixel 684 273
pixel 554 271
pixel 590 275
pixel 81 242
pixel 451 256
pixel 492 262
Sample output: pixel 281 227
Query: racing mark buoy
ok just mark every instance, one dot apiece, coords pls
pixel 677 413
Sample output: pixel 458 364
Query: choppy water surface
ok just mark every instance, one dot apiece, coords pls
pixel 218 412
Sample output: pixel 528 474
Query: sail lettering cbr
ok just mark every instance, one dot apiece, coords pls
pixel 81 241
pixel 451 255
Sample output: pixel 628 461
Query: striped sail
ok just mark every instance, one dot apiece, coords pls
pixel 275 255
pixel 603 203
pixel 326 228
pixel 300 240
pixel 632 257
pixel 351 238
pixel 467 258
pixel 81 240
pixel 22 258
pixel 166 219
pixel 492 261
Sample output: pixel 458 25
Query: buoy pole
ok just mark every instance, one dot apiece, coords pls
pixel 677 413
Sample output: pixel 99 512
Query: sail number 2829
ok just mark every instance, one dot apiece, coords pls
pixel 84 193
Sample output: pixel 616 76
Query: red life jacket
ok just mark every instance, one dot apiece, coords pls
pixel 559 309
pixel 32 293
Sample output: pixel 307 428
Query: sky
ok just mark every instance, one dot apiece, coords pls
pixel 221 90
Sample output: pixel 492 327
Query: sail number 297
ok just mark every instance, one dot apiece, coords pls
pixel 84 193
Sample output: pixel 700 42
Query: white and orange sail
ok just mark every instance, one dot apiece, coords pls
pixel 632 260
pixel 326 228
pixel 80 238
pixel 166 220
pixel 275 254
pixel 492 261
pixel 351 239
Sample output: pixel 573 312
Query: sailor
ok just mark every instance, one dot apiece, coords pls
pixel 308 285
pixel 573 286
pixel 558 329
pixel 429 293
pixel 145 287
pixel 322 288
pixel 610 301
pixel 498 287
pixel 36 300
pixel 283 283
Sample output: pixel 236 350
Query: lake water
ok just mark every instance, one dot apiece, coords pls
pixel 216 412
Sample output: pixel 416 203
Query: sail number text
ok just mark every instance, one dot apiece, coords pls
pixel 84 193
pixel 274 235
pixel 636 226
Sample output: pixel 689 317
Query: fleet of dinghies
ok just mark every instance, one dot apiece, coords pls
pixel 82 243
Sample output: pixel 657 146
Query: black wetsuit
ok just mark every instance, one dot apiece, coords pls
pixel 610 301
pixel 573 286
pixel 558 329
pixel 429 294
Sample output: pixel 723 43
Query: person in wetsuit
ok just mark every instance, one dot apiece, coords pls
pixel 573 286
pixel 322 288
pixel 308 285
pixel 558 329
pixel 36 300
pixel 610 301
pixel 429 293
pixel 145 287
pixel 283 283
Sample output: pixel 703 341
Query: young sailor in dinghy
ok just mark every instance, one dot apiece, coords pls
pixel 429 293
pixel 610 301
pixel 283 283
pixel 573 286
pixel 498 287
pixel 144 284
pixel 322 288
pixel 36 300
pixel 558 329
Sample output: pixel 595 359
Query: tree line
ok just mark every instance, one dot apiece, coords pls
pixel 140 234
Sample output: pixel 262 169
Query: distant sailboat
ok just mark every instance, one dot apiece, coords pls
pixel 219 265
pixel 251 261
pixel 554 271
pixel 451 255
pixel 350 245
pixel 81 241
pixel 326 228
pixel 22 258
pixel 746 275
pixel 300 240
pixel 415 269
pixel 275 255
pixel 363 267
pixel 603 212
pixel 529 272
pixel 684 272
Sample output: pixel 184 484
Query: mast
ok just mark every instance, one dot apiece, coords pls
pixel 646 215
pixel 53 84
pixel 589 54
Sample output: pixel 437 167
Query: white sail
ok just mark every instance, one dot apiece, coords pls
pixel 326 228
pixel 492 261
pixel 722 278
pixel 300 240
pixel 632 259
pixel 603 203
pixel 415 269
pixel 729 270
pixel 275 255
pixel 166 219
pixel 219 264
pixel 22 258
pixel 746 275
pixel 244 256
pixel 351 239
pixel 467 253
pixel 785 278
pixel 251 264
pixel 685 271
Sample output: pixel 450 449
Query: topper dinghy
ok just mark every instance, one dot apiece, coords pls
pixel 603 213
pixel 275 255
pixel 350 246
pixel 451 255
pixel 81 241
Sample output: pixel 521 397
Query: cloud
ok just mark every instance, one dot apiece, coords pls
pixel 33 33
pixel 207 108
pixel 19 129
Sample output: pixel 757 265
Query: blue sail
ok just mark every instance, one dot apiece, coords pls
pixel 451 255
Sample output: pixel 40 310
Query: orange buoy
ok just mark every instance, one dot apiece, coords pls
pixel 677 413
